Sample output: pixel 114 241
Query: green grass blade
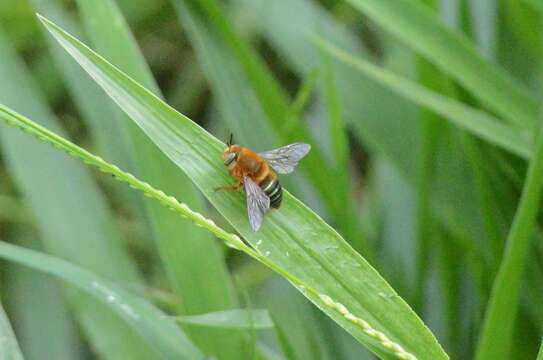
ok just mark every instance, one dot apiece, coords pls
pixel 160 332
pixel 302 97
pixel 476 122
pixel 286 347
pixel 293 241
pixel 337 127
pixel 540 353
pixel 35 302
pixel 344 208
pixel 230 319
pixel 497 333
pixel 44 176
pixel 271 95
pixel 193 262
pixel 10 347
pixel 455 55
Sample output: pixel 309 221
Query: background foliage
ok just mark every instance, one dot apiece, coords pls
pixel 423 116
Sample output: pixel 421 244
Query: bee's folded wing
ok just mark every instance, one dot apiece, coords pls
pixel 285 159
pixel 257 203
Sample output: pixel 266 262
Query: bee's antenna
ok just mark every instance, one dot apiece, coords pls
pixel 231 139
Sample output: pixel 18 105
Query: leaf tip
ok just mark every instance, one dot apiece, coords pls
pixel 46 22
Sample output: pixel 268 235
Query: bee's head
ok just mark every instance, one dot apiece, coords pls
pixel 231 153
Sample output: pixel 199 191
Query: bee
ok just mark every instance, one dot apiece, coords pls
pixel 256 173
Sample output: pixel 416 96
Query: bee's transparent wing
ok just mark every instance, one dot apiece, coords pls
pixel 257 203
pixel 284 160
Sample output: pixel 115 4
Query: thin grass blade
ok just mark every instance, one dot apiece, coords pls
pixel 154 327
pixel 498 328
pixel 416 26
pixel 478 123
pixel 35 302
pixel 230 319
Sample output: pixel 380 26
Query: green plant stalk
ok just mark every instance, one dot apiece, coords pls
pixel 497 332
pixel 540 353
pixel 378 338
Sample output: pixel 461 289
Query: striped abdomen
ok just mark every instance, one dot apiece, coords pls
pixel 274 190
pixel 268 182
pixel 271 186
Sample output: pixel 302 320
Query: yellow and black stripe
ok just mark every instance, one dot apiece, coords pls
pixel 274 190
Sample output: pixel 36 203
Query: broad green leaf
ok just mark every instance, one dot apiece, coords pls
pixel 9 349
pixel 294 241
pixel 416 26
pixel 153 326
pixel 475 121
pixel 67 205
pixel 497 332
pixel 193 262
pixel 230 319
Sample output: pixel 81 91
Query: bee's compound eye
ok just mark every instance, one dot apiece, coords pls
pixel 229 158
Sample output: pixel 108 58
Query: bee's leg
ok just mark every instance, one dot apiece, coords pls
pixel 235 187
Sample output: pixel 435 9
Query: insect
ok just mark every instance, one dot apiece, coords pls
pixel 256 173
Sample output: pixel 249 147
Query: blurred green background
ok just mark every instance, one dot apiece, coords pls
pixel 426 202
